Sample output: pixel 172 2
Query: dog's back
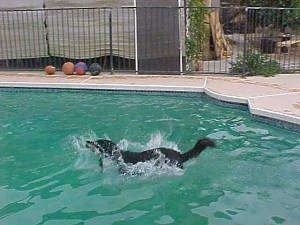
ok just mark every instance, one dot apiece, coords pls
pixel 171 156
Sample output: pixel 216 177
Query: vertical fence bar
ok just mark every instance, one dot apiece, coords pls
pixel 87 58
pixel 226 61
pixel 19 40
pixel 179 11
pixel 25 46
pixel 296 67
pixel 73 35
pixel 135 40
pixel 104 39
pixel 4 33
pixel 100 38
pixel 94 37
pixel 123 35
pixel 58 36
pixel 10 30
pixel 51 50
pixel 1 44
pixel 203 12
pixel 32 56
pixel 62 49
pixel 14 47
pixel 146 52
pixel 277 36
pixel 67 42
pixel 222 61
pixel 41 37
pixel 46 36
pixel 39 55
pixel 28 40
pixel 245 42
pixel 82 55
pixel 185 30
pixel 284 17
pixel 118 39
pixel 111 43
pixel 128 66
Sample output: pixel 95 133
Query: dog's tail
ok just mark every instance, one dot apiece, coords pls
pixel 197 149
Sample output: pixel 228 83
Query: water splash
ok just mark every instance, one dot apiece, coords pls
pixel 150 169
pixel 87 160
pixel 159 166
pixel 157 139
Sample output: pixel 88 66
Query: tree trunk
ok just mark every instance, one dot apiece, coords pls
pixel 207 53
pixel 221 47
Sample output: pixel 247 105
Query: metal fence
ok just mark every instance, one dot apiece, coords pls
pixel 235 38
pixel 151 39
pixel 31 39
pixel 275 33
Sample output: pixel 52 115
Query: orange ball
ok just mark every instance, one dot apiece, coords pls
pixel 50 70
pixel 68 68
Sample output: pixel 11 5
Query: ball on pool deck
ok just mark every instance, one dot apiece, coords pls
pixel 50 70
pixel 95 69
pixel 68 68
pixel 80 68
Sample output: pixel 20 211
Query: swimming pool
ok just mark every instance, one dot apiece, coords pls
pixel 47 176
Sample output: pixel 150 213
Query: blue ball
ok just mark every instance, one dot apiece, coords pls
pixel 95 69
pixel 80 68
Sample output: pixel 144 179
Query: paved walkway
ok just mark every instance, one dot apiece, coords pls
pixel 276 97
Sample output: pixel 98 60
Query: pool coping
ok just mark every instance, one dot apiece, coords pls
pixel 203 88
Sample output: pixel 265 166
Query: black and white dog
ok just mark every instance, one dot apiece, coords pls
pixel 171 157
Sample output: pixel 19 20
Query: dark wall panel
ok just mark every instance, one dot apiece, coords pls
pixel 158 36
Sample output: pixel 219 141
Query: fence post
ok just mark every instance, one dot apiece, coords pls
pixel 180 37
pixel 110 43
pixel 245 43
pixel 135 40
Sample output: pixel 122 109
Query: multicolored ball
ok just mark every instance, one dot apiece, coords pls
pixel 80 68
pixel 95 69
pixel 50 70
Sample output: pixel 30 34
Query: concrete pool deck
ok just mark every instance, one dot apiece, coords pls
pixel 275 97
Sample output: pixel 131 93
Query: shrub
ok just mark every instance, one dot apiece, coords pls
pixel 198 29
pixel 256 64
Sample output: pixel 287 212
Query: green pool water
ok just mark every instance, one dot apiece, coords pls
pixel 47 176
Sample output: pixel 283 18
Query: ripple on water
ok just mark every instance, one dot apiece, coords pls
pixel 73 200
pixel 165 219
pixel 225 135
pixel 243 128
pixel 231 209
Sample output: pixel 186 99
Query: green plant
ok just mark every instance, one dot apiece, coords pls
pixel 198 31
pixel 256 64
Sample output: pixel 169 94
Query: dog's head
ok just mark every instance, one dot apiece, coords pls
pixel 205 142
pixel 94 146
pixel 102 146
